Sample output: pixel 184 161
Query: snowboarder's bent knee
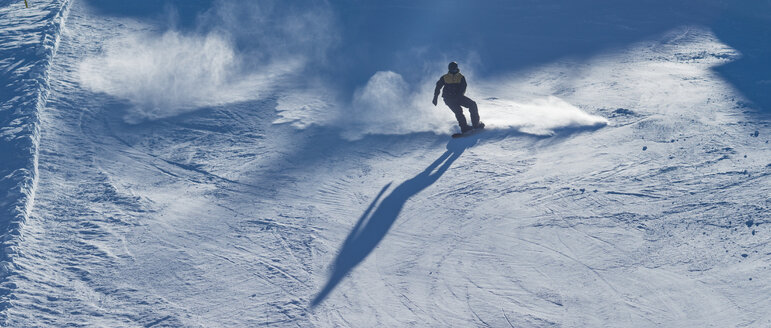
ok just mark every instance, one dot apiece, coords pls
pixel 453 88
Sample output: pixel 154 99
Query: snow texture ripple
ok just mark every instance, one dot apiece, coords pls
pixel 29 38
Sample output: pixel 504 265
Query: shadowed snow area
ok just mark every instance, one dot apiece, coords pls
pixel 216 163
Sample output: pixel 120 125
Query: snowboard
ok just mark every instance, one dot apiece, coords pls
pixel 470 132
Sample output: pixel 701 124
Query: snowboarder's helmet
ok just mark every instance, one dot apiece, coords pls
pixel 453 67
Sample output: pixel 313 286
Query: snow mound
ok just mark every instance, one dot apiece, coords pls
pixel 24 86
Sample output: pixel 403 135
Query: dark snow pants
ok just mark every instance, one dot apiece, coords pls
pixel 456 104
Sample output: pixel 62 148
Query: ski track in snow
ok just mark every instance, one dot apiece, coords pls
pixel 219 218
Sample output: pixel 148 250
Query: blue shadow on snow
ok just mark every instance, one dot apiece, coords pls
pixel 377 219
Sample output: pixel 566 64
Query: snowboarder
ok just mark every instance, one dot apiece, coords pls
pixel 454 85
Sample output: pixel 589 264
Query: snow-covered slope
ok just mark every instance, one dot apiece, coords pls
pixel 28 41
pixel 190 178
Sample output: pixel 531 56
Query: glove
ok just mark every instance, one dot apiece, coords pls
pixel 434 101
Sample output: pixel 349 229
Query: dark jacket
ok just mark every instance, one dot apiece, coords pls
pixel 454 85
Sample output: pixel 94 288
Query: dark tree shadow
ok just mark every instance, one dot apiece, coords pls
pixel 374 224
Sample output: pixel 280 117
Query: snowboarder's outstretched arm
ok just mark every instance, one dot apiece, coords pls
pixel 439 85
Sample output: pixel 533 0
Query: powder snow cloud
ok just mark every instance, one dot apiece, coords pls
pixel 240 52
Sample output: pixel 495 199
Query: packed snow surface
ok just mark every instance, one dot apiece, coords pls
pixel 220 163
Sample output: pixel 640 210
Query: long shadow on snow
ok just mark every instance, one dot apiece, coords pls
pixel 374 224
